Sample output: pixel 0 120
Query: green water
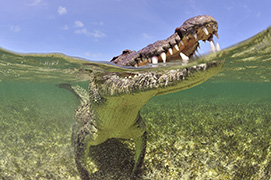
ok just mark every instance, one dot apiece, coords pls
pixel 218 130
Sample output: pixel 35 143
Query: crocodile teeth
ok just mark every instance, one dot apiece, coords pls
pixel 164 57
pixel 217 47
pixel 176 47
pixel 205 30
pixel 181 42
pixel 154 60
pixel 170 51
pixel 184 57
pixel 216 35
pixel 195 36
pixel 212 46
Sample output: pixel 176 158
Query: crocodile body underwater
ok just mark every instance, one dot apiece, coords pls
pixel 111 107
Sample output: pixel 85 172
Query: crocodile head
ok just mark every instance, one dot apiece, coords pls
pixel 181 45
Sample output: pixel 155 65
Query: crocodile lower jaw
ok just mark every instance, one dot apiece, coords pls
pixel 158 80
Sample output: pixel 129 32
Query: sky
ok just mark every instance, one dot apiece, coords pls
pixel 101 29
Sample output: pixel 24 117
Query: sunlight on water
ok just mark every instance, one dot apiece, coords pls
pixel 218 130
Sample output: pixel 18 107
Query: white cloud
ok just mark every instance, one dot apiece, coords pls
pixel 66 27
pixel 38 3
pixel 93 55
pixel 100 23
pixel 15 28
pixel 146 36
pixel 62 10
pixel 95 33
pixel 82 31
pixel 78 24
pixel 98 34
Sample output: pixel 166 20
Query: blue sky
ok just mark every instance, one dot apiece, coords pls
pixel 101 29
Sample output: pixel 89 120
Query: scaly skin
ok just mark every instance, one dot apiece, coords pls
pixel 111 108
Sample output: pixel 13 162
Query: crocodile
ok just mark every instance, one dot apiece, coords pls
pixel 116 93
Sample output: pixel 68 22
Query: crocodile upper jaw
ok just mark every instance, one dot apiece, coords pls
pixel 181 45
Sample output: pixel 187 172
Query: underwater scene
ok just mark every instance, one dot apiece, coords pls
pixel 219 129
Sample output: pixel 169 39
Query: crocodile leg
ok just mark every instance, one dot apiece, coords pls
pixel 85 138
pixel 140 148
pixel 140 145
pixel 80 156
pixel 84 135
